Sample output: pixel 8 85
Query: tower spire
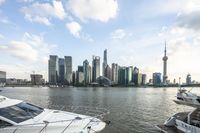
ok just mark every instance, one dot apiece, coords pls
pixel 165 66
pixel 165 49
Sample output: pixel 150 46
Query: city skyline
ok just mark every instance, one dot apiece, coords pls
pixel 131 39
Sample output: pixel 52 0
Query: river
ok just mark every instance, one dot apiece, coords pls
pixel 132 110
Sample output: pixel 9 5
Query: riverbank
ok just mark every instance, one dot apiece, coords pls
pixel 142 86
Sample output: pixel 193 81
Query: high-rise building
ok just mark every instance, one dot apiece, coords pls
pixel 115 70
pixel 123 76
pixel 165 58
pixel 108 72
pixel 95 68
pixel 156 78
pixel 80 68
pixel 61 63
pixel 144 78
pixel 135 75
pixel 79 77
pixel 73 77
pixel 104 62
pixel 90 74
pixel 129 74
pixel 137 79
pixel 188 79
pixel 86 71
pixel 53 69
pixel 37 79
pixel 2 78
pixel 68 69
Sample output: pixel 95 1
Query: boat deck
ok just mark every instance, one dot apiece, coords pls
pixel 165 129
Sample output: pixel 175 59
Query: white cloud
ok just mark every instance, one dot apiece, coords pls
pixel 31 53
pixel 43 12
pixel 74 28
pixel 2 1
pixel 120 34
pixel 25 1
pixel 101 10
pixel 2 36
pixel 38 19
pixel 31 48
pixel 23 51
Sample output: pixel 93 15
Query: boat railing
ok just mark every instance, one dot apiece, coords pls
pixel 88 112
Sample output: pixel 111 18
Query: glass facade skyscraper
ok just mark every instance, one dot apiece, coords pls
pixel 68 69
pixel 61 63
pixel 104 63
pixel 86 71
pixel 95 68
pixel 53 69
pixel 156 79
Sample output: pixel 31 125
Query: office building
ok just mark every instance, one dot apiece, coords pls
pixel 80 68
pixel 53 69
pixel 95 68
pixel 74 78
pixel 108 72
pixel 86 71
pixel 156 79
pixel 90 74
pixel 68 70
pixel 2 78
pixel 144 78
pixel 61 63
pixel 79 77
pixel 37 79
pixel 129 74
pixel 104 63
pixel 135 75
pixel 188 79
pixel 122 79
pixel 115 70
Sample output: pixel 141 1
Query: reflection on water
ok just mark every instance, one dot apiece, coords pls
pixel 131 109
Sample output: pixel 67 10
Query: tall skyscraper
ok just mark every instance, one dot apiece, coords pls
pixel 90 74
pixel 86 71
pixel 2 78
pixel 165 58
pixel 144 78
pixel 115 69
pixel 129 74
pixel 135 75
pixel 61 63
pixel 68 69
pixel 53 69
pixel 188 79
pixel 80 75
pixel 123 76
pixel 108 72
pixel 156 78
pixel 95 68
pixel 74 78
pixel 104 62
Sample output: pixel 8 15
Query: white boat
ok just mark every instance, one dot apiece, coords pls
pixel 184 122
pixel 185 97
pixel 17 116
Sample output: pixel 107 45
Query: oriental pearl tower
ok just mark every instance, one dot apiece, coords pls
pixel 165 58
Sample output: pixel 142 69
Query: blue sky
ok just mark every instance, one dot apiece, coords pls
pixel 133 31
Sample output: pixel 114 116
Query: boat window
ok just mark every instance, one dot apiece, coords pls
pixel 20 112
pixel 4 124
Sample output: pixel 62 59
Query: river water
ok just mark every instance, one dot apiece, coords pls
pixel 132 110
